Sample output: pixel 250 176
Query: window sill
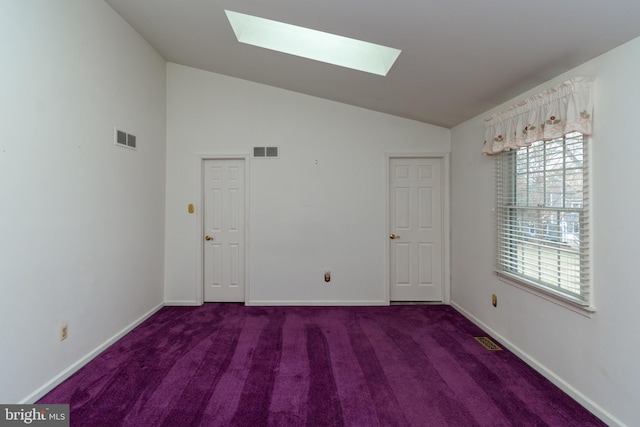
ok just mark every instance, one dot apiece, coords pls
pixel 547 295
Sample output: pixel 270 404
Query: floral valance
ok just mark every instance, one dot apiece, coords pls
pixel 551 114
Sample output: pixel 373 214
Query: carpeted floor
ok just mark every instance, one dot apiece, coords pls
pixel 231 365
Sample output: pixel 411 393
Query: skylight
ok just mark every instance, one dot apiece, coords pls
pixel 312 44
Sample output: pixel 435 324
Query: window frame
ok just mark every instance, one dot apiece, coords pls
pixel 510 210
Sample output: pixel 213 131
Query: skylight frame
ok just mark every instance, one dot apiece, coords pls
pixel 312 44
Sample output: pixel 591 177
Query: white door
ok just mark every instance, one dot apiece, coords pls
pixel 224 219
pixel 415 229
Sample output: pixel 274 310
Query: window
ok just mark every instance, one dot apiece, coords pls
pixel 312 44
pixel 543 216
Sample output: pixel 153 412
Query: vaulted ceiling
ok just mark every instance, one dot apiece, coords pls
pixel 459 57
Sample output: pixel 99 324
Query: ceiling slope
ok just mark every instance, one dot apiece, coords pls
pixel 459 58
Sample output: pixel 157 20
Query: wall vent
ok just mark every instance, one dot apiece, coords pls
pixel 123 139
pixel 265 152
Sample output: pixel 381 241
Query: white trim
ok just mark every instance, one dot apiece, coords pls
pixel 593 226
pixel 316 302
pixel 446 214
pixel 548 295
pixel 579 397
pixel 200 158
pixel 446 223
pixel 75 367
pixel 387 255
pixel 182 303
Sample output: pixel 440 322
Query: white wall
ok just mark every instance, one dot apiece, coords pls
pixel 594 358
pixel 303 217
pixel 81 221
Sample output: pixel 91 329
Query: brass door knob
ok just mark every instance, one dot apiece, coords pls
pixel 393 236
pixel 207 237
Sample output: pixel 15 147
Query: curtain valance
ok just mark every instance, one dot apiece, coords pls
pixel 551 114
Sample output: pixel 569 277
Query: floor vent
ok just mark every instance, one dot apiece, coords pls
pixel 487 343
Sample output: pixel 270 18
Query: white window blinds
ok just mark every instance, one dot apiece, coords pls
pixel 543 216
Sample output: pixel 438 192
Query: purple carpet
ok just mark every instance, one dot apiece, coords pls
pixel 231 365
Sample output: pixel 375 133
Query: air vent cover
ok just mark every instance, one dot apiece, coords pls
pixel 488 344
pixel 265 152
pixel 121 137
pixel 124 139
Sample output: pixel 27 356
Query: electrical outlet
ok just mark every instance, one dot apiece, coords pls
pixel 327 276
pixel 64 331
pixel 494 300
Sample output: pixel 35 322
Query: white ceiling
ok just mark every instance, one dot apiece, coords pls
pixel 459 57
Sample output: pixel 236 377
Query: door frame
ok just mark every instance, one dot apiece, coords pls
pixel 446 228
pixel 201 158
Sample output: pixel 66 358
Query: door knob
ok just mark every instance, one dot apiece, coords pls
pixel 393 236
pixel 207 237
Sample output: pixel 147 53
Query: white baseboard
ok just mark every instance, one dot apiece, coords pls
pixel 180 303
pixel 589 404
pixel 55 381
pixel 315 302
